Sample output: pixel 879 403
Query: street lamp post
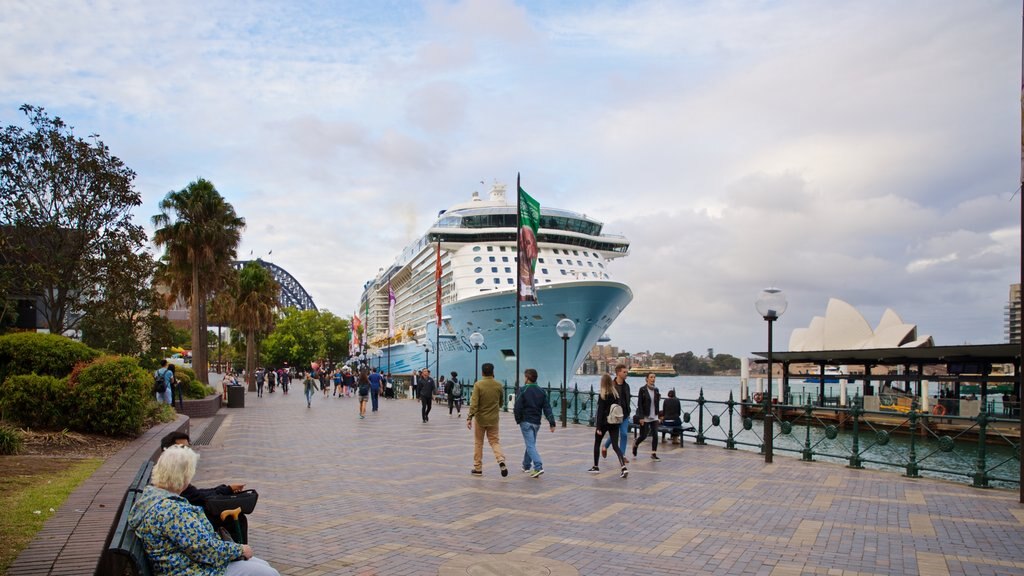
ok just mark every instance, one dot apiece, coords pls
pixel 565 329
pixel 380 355
pixel 477 340
pixel 770 304
pixel 427 347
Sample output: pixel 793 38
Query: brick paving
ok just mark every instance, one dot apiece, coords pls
pixel 392 495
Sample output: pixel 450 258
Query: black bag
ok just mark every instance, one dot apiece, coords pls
pixel 159 384
pixel 246 500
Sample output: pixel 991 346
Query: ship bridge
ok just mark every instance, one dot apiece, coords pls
pixel 292 293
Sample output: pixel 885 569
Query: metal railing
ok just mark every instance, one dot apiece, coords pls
pixel 979 449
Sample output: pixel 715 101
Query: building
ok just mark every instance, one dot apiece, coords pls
pixel 1012 324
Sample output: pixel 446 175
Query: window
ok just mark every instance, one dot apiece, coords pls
pixel 509 280
pixel 544 270
pixel 494 269
pixel 575 252
pixel 563 273
pixel 589 263
pixel 508 270
pixel 559 260
pixel 477 258
pixel 490 248
pixel 541 260
pixel 478 270
pixel 504 258
pixel 476 248
pixel 479 280
pixel 502 248
pixel 497 280
pixel 490 259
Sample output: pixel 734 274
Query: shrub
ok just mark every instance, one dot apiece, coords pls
pixel 10 440
pixel 182 372
pixel 196 390
pixel 110 396
pixel 34 400
pixel 158 413
pixel 32 352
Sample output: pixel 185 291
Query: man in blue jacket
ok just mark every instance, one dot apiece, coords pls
pixel 531 402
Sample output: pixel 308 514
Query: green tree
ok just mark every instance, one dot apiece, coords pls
pixel 120 318
pixel 65 215
pixel 724 363
pixel 689 363
pixel 200 232
pixel 304 336
pixel 255 303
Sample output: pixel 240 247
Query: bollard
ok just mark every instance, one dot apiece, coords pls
pixel 575 404
pixel 808 454
pixel 981 474
pixel 730 440
pixel 700 417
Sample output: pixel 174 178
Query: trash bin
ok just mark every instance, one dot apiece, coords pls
pixel 236 396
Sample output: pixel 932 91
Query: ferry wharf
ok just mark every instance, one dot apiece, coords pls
pixel 391 495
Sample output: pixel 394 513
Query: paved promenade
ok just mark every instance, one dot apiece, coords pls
pixel 392 495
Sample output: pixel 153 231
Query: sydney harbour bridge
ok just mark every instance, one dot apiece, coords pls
pixel 292 293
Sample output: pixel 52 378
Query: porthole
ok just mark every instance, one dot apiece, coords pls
pixel 477 258
pixel 478 270
pixel 479 280
pixel 476 248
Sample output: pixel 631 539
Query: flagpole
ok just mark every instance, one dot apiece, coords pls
pixel 391 329
pixel 437 337
pixel 519 277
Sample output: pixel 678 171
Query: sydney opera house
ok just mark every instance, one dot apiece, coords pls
pixel 844 328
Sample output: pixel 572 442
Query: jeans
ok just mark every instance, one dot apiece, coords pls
pixel 531 455
pixel 374 394
pixel 310 390
pixel 623 436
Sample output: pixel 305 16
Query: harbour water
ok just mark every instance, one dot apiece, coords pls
pixel 877 446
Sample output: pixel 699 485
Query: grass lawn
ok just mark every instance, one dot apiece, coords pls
pixel 31 489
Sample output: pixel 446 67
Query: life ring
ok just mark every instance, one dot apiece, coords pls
pixel 939 410
pixel 758 397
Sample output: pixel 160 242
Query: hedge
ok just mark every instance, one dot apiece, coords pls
pixel 111 396
pixel 35 400
pixel 44 354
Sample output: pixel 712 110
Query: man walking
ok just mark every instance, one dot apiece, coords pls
pixel 623 390
pixel 426 390
pixel 648 401
pixel 484 405
pixel 375 383
pixel 530 404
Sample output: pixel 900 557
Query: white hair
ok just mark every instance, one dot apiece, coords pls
pixel 175 468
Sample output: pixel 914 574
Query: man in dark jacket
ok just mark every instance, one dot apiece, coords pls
pixel 427 387
pixel 671 414
pixel 530 404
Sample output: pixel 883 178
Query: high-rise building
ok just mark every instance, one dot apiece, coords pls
pixel 1012 324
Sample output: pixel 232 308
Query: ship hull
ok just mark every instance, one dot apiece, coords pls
pixel 592 305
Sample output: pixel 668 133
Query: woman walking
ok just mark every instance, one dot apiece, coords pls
pixel 608 398
pixel 309 387
pixel 364 392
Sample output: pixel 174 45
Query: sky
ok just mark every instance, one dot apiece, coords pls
pixel 867 151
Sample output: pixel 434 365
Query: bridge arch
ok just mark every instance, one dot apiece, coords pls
pixel 292 293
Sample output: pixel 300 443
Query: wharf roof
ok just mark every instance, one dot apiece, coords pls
pixel 995 353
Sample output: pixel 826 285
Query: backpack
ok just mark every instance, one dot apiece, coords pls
pixel 456 389
pixel 615 414
pixel 159 383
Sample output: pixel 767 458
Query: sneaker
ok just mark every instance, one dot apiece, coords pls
pixel 624 472
pixel 476 472
pixel 504 469
pixel 655 458
pixel 536 473
pixel 594 470
pixel 604 452
pixel 527 470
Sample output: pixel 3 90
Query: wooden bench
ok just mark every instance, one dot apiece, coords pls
pixel 125 554
pixel 663 430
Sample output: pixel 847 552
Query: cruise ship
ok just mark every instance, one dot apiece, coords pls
pixel 475 243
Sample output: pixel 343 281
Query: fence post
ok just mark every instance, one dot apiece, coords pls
pixel 912 471
pixel 980 474
pixel 591 405
pixel 855 412
pixel 730 441
pixel 808 454
pixel 700 417
pixel 575 403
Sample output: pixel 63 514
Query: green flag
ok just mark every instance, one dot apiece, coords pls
pixel 529 223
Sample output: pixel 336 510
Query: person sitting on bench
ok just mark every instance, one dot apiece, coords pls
pixel 199 496
pixel 671 414
pixel 175 535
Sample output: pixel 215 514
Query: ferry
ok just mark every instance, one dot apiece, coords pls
pixel 658 371
pixel 474 244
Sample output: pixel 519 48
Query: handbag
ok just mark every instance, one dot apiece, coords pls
pixel 246 500
pixel 615 414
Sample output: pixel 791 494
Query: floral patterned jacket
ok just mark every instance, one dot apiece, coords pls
pixel 177 537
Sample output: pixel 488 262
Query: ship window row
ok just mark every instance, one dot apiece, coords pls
pixel 596 245
pixel 550 222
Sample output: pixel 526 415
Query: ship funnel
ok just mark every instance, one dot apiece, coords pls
pixel 498 193
pixel 475 197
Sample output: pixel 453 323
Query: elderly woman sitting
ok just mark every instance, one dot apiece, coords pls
pixel 176 535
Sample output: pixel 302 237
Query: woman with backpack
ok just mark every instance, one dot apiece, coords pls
pixel 364 392
pixel 609 417
pixel 453 391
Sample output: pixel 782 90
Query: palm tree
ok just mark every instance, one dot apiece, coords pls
pixel 255 306
pixel 200 243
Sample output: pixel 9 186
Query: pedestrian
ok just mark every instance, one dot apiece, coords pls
pixel 324 380
pixel 172 386
pixel 606 424
pixel 376 380
pixel 389 386
pixel 671 414
pixel 337 383
pixel 309 387
pixel 165 375
pixel 364 393
pixel 426 390
pixel 483 406
pixel 224 383
pixel 530 404
pixel 260 380
pixel 348 381
pixel 648 401
pixel 415 388
pixel 622 389
pixel 271 380
pixel 453 391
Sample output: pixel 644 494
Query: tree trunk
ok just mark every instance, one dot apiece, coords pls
pixel 250 360
pixel 197 340
pixel 204 347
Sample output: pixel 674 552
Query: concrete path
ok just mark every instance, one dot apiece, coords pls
pixel 392 495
